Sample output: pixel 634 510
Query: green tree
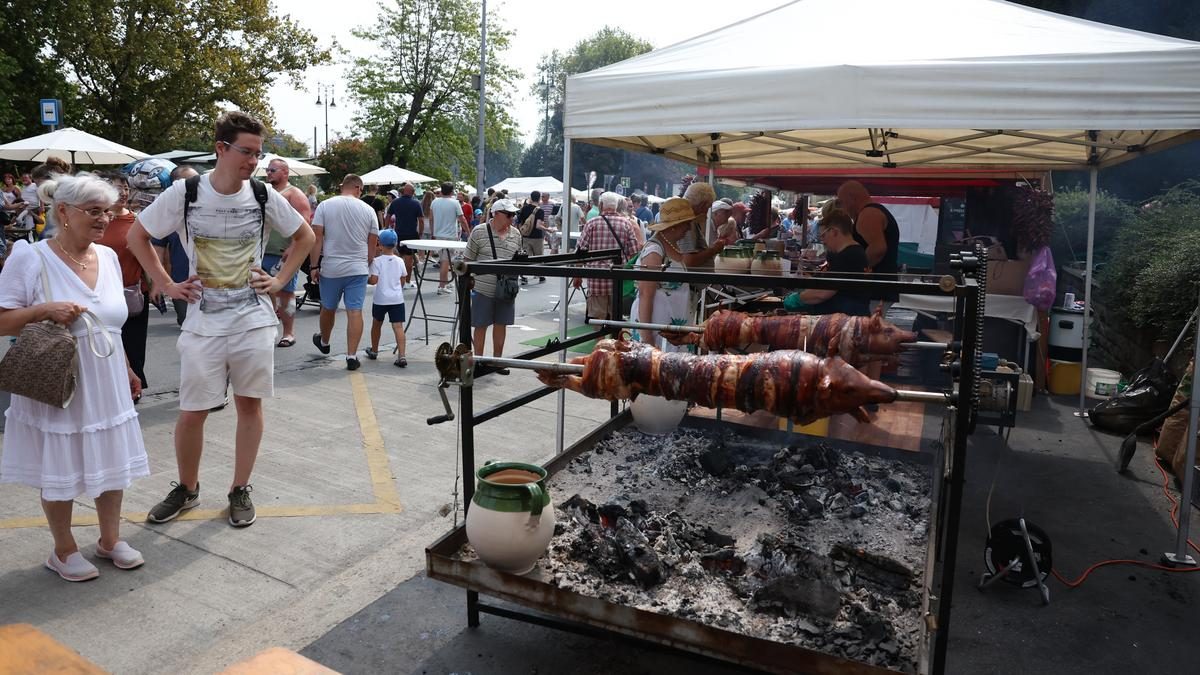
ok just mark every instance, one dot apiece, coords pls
pixel 343 156
pixel 1069 240
pixel 286 145
pixel 25 76
pixel 1150 276
pixel 418 103
pixel 544 156
pixel 154 72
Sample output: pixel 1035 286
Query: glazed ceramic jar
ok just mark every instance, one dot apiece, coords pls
pixel 511 520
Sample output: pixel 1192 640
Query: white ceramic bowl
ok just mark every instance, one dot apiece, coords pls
pixel 656 415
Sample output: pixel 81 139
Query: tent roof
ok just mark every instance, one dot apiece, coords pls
pixel 72 145
pixel 522 186
pixel 390 174
pixel 954 83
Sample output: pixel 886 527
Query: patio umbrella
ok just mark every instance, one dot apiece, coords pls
pixel 295 166
pixel 390 174
pixel 72 145
pixel 180 154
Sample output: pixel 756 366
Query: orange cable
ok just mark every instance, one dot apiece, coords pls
pixel 1140 563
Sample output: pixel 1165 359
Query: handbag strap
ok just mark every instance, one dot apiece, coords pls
pixel 620 244
pixel 94 324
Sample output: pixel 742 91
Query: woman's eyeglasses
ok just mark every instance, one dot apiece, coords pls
pixel 245 151
pixel 95 213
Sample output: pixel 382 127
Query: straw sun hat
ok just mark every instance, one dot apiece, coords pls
pixel 674 211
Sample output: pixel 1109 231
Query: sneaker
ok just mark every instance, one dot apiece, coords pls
pixel 323 348
pixel 74 568
pixel 353 363
pixel 178 500
pixel 400 362
pixel 443 290
pixel 241 509
pixel 411 284
pixel 122 555
pixel 524 280
pixel 372 354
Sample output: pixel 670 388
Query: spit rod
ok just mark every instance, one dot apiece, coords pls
pixel 664 327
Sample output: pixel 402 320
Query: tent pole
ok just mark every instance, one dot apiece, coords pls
pixel 565 214
pixel 1087 289
pixel 1181 557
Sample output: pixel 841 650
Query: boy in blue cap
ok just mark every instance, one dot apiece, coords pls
pixel 387 274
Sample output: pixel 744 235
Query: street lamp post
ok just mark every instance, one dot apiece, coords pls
pixel 327 90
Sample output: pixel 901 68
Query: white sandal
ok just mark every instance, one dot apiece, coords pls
pixel 74 568
pixel 122 555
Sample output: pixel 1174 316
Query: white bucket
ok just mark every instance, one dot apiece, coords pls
pixel 1102 383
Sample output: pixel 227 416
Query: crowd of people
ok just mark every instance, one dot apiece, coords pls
pixel 227 251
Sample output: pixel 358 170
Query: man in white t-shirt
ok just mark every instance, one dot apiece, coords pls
pixel 448 220
pixel 223 220
pixel 347 233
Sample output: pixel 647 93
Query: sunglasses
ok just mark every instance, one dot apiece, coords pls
pixel 270 170
pixel 257 154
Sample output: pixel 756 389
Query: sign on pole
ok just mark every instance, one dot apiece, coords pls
pixel 51 111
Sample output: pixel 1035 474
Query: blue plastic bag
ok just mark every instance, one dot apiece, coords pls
pixel 1041 282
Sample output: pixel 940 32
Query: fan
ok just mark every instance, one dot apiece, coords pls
pixel 1019 553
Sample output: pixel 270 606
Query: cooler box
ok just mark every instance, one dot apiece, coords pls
pixel 1066 334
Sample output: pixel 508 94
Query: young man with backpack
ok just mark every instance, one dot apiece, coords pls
pixel 223 219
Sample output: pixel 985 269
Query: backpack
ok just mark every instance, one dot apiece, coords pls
pixel 528 224
pixel 191 189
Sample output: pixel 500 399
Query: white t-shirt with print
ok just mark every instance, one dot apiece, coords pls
pixel 446 212
pixel 224 238
pixel 389 288
pixel 347 223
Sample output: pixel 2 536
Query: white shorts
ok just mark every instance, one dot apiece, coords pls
pixel 245 360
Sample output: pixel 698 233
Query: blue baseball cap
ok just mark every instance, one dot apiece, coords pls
pixel 388 238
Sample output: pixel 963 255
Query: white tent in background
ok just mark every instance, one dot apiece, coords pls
pixel 176 155
pixel 931 85
pixel 72 145
pixel 390 174
pixel 295 166
pixel 520 188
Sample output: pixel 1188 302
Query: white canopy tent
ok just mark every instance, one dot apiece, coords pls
pixel 390 174
pixel 72 145
pixel 936 84
pixel 295 166
pixel 522 187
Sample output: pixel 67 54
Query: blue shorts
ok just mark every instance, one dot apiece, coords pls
pixel 353 287
pixel 269 263
pixel 487 311
pixel 394 313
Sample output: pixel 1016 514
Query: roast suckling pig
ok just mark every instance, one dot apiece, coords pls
pixel 854 338
pixel 788 383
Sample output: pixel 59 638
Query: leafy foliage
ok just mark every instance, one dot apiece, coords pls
pixel 25 76
pixel 1069 240
pixel 343 156
pixel 286 145
pixel 419 107
pixel 1151 274
pixel 544 157
pixel 151 73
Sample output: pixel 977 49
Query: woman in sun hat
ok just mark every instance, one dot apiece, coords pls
pixel 667 302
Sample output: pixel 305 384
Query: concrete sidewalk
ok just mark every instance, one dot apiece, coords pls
pixel 350 486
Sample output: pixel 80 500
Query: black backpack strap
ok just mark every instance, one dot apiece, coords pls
pixel 191 191
pixel 260 195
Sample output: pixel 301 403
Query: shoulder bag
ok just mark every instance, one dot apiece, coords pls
pixel 507 287
pixel 43 362
pixel 629 286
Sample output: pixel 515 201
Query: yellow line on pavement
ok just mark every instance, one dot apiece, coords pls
pixel 382 481
pixel 387 498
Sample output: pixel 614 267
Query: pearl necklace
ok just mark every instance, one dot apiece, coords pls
pixel 671 245
pixel 82 265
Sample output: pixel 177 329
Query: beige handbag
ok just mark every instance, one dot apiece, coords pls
pixel 43 363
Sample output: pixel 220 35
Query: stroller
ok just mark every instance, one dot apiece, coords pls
pixel 312 291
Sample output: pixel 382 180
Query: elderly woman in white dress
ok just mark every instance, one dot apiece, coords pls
pixel 664 302
pixel 94 445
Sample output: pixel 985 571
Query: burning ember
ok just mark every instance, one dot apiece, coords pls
pixel 803 545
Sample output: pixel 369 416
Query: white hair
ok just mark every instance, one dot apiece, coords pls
pixel 610 200
pixel 82 188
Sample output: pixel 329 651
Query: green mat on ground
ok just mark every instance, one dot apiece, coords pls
pixel 585 348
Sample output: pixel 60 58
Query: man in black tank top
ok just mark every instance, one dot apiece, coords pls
pixel 875 229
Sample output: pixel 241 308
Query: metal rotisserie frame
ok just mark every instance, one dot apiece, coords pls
pixel 575 612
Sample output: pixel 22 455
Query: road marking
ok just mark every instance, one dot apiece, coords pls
pixel 387 498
